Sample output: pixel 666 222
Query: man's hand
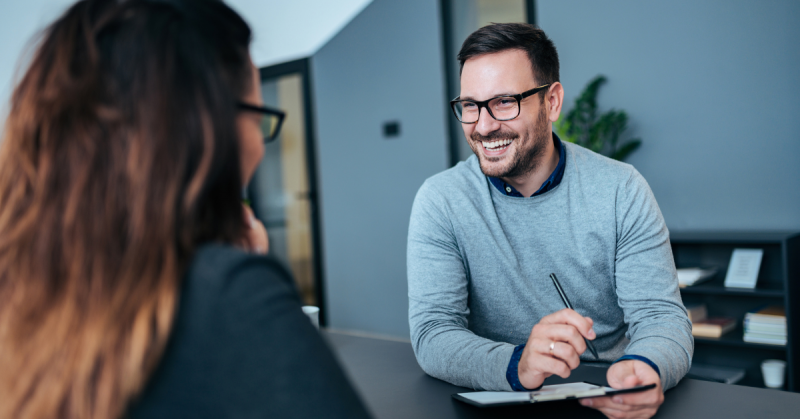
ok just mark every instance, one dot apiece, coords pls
pixel 255 239
pixel 554 347
pixel 626 374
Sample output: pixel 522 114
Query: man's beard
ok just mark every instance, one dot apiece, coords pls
pixel 524 161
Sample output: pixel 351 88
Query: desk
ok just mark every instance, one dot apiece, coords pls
pixel 392 384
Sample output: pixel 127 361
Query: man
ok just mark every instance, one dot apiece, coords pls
pixel 486 234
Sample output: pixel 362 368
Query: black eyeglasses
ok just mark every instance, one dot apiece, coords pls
pixel 501 108
pixel 271 119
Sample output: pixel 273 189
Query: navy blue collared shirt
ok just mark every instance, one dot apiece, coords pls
pixel 549 184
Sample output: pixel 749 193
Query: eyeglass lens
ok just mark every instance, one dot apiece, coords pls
pixel 269 126
pixel 502 109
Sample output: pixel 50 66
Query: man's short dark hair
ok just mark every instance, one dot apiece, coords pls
pixel 499 37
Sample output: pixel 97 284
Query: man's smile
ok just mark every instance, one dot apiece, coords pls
pixel 496 147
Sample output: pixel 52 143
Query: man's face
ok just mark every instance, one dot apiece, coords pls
pixel 505 149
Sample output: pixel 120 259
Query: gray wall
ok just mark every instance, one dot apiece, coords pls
pixel 385 65
pixel 712 87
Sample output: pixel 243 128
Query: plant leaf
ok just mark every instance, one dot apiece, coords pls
pixel 601 134
pixel 623 152
pixel 582 116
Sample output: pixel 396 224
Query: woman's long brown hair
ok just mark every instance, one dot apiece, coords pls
pixel 120 156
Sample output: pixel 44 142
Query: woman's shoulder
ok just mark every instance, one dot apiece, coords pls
pixel 220 260
pixel 223 283
pixel 241 347
pixel 221 268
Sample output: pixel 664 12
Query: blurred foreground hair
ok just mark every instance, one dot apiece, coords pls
pixel 120 156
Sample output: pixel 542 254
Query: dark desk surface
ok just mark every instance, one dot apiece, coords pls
pixel 393 385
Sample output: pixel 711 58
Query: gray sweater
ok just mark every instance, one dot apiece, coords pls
pixel 479 264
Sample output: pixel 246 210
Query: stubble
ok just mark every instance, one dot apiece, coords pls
pixel 524 161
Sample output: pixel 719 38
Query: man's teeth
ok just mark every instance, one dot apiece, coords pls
pixel 496 144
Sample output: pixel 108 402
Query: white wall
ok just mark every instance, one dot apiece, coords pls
pixel 20 21
pixel 712 89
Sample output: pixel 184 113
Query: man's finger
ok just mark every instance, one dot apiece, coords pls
pixel 549 366
pixel 571 317
pixel 617 414
pixel 622 375
pixel 652 397
pixel 560 333
pixel 566 353
pixel 644 398
pixel 632 381
pixel 632 414
pixel 555 366
pixel 607 403
pixel 559 350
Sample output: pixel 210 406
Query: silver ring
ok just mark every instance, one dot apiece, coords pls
pixel 552 347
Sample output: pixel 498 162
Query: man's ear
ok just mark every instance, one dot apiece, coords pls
pixel 554 100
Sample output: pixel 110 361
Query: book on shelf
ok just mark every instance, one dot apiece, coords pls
pixel 767 325
pixel 696 312
pixel 713 327
pixel 770 314
pixel 714 373
pixel 691 276
pixel 770 328
pixel 765 338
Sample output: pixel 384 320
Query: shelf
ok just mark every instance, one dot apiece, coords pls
pixel 735 338
pixel 778 279
pixel 717 287
pixel 729 237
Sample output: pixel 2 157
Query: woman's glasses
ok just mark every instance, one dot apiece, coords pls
pixel 271 119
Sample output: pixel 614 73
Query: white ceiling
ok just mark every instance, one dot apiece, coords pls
pixel 283 29
pixel 291 29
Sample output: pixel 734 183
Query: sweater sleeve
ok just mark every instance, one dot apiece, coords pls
pixel 647 284
pixel 438 312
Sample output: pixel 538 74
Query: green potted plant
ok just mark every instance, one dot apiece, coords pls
pixel 600 133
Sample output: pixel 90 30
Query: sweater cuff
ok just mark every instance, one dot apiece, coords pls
pixel 634 357
pixel 512 372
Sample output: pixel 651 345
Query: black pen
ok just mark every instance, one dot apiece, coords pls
pixel 569 306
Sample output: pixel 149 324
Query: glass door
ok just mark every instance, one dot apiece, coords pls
pixel 281 192
pixel 461 18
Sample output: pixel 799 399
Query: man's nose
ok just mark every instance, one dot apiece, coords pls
pixel 486 123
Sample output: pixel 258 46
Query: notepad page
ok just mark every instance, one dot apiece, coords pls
pixel 551 392
pixel 570 388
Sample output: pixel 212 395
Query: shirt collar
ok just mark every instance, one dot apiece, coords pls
pixel 551 182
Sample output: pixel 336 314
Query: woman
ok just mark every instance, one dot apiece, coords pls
pixel 121 290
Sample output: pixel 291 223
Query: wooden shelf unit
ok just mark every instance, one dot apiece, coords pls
pixel 778 284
